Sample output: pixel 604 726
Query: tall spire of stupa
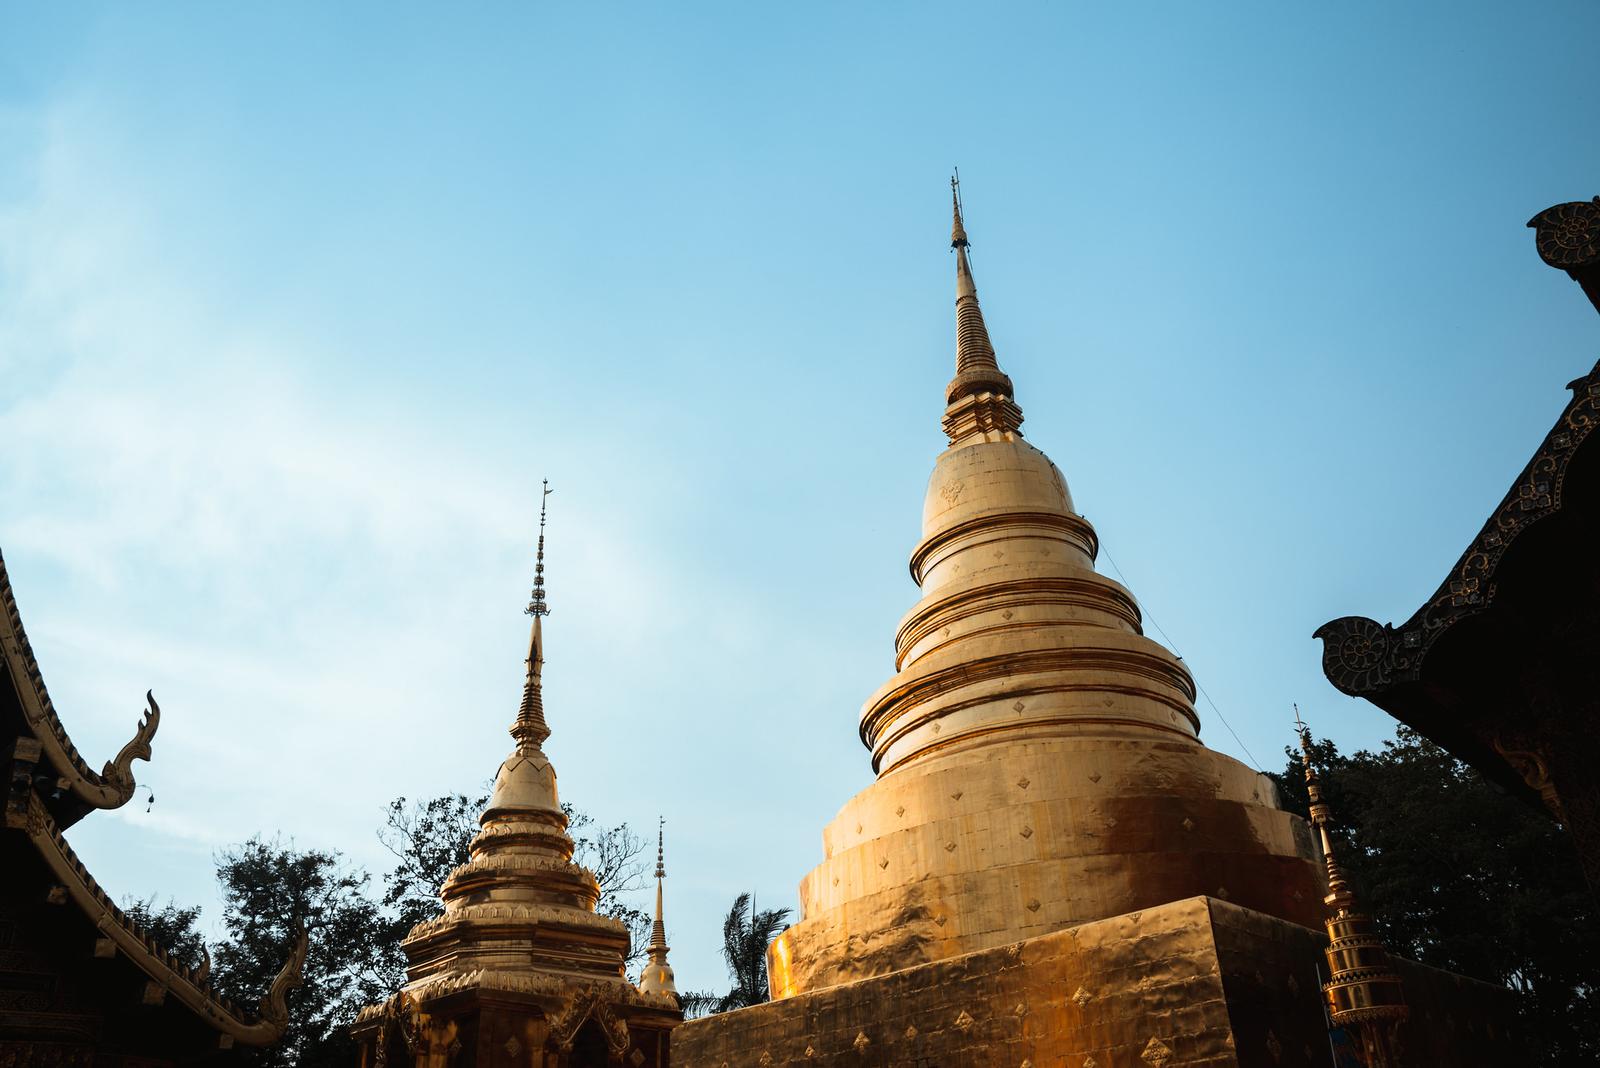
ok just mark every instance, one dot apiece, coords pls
pixel 1363 990
pixel 530 729
pixel 978 399
pixel 657 975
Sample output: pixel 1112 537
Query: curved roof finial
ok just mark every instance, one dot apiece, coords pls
pixel 530 729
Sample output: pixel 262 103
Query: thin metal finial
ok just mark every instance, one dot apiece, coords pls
pixel 958 232
pixel 538 606
pixel 530 729
pixel 661 848
pixel 1321 818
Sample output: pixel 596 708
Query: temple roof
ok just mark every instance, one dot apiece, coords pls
pixel 1514 621
pixel 119 936
pixel 27 711
pixel 49 788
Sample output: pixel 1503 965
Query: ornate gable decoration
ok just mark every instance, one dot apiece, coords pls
pixel 1362 657
pixel 114 784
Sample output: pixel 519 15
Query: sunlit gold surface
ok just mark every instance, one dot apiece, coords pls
pixel 657 978
pixel 1038 756
pixel 1192 983
pixel 1364 990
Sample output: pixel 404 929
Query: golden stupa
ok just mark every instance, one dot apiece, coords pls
pixel 520 970
pixel 1050 868
pixel 1038 757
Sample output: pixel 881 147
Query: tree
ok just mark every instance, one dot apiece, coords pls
pixel 616 857
pixel 697 1003
pixel 174 928
pixel 746 934
pixel 270 890
pixel 1461 877
pixel 430 839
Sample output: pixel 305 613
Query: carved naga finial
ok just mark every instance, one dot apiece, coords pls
pixel 119 772
pixel 275 1006
pixel 202 974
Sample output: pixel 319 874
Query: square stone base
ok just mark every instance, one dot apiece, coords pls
pixel 1195 982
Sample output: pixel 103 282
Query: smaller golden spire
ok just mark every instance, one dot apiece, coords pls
pixel 530 729
pixel 1363 990
pixel 657 975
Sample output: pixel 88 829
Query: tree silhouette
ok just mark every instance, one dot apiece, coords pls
pixel 1458 876
pixel 746 934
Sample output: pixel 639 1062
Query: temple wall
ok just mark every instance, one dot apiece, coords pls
pixel 1197 982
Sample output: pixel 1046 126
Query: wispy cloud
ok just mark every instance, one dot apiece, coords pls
pixel 316 581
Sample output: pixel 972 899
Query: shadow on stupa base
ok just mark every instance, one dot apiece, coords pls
pixel 1198 982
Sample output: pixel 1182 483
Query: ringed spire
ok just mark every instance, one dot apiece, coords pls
pixel 657 976
pixel 979 405
pixel 1364 991
pixel 530 729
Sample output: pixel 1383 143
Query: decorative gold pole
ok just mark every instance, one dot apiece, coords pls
pixel 657 976
pixel 1364 992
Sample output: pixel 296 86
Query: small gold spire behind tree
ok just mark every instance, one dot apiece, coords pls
pixel 657 976
pixel 1364 992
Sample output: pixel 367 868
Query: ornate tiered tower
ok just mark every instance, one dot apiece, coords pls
pixel 520 969
pixel 1364 991
pixel 657 976
pixel 1038 756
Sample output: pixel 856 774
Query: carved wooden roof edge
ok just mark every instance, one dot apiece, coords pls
pixel 185 983
pixel 112 786
pixel 1363 657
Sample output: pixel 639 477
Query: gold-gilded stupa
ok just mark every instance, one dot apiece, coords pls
pixel 1038 757
pixel 520 970
pixel 1050 868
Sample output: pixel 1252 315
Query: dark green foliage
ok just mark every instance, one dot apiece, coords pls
pixel 429 840
pixel 746 934
pixel 1461 877
pixel 698 1003
pixel 271 889
pixel 172 926
pixel 615 856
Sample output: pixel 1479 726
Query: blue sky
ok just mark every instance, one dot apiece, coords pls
pixel 298 303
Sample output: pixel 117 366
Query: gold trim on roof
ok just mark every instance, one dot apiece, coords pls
pixel 188 985
pixel 114 784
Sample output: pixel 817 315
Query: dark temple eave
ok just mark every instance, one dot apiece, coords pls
pixel 1390 665
pixel 27 711
pixel 1515 623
